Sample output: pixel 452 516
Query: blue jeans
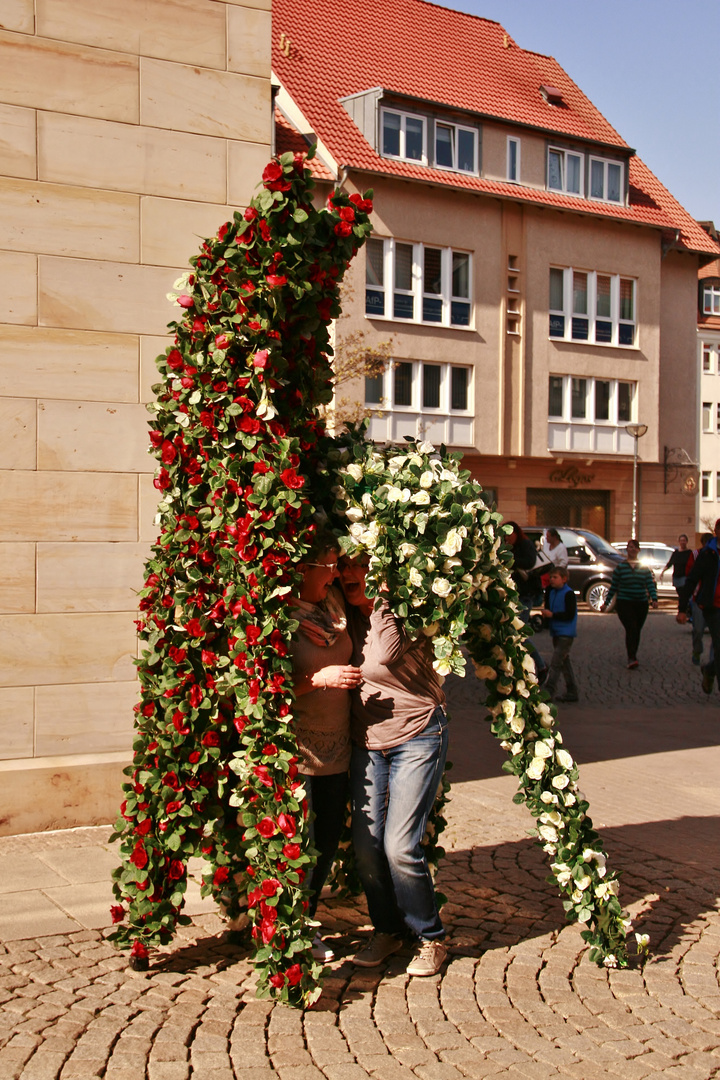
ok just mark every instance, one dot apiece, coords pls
pixel 393 792
pixel 712 621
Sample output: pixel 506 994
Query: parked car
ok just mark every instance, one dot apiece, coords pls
pixel 591 561
pixel 654 555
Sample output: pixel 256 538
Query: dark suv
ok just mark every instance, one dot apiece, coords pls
pixel 591 561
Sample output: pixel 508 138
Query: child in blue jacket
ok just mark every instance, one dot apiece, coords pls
pixel 561 611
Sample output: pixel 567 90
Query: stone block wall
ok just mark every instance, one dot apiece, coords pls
pixel 127 132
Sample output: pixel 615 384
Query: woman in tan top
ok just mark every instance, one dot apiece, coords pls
pixel 322 679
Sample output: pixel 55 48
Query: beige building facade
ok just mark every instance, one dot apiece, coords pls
pixel 127 132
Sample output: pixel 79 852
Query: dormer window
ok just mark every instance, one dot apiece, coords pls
pixel 455 147
pixel 403 136
pixel 606 180
pixel 565 171
pixel 711 299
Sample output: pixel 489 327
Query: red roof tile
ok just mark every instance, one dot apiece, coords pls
pixel 288 138
pixel 338 48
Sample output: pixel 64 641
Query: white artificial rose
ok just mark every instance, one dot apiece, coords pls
pixel 355 471
pixel 451 564
pixel 393 494
pixel 602 890
pixel 452 543
pixel 421 521
pixel 517 624
pixel 517 748
pixel 551 817
pixel 508 708
pixel 406 550
pixel 548 798
pixel 441 586
pixel 443 667
pixel 542 749
pixel 446 474
pixel 415 577
pixel 517 724
pixel 421 498
pixel 427 480
pixel 569 799
pixel 528 664
pixel 430 565
pixel 484 672
pixel 357 532
pixel 548 833
pixel 560 782
pixel 426 448
pixel 415 459
pixel 367 501
pixel 564 759
pixel 535 770
pixel 354 513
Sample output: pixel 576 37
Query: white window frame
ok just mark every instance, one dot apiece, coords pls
pixel 614 320
pixel 404 117
pixel 708 367
pixel 391 423
pixel 605 162
pixel 717 487
pixel 564 152
pixel 705 479
pixel 586 433
pixel 707 418
pixel 711 299
pixel 513 140
pixel 417 290
pixel 455 128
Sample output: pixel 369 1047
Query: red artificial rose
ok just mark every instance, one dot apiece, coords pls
pixel 117 913
pixel 277 980
pixel 261 771
pixel 194 628
pixel 291 851
pixel 266 827
pixel 294 974
pixel 267 931
pixel 168 453
pixel 272 171
pixel 211 738
pixel 240 722
pixel 270 750
pixel 171 780
pixel 185 301
pixel 194 757
pixel 346 213
pixel 260 359
pixel 221 875
pixel 144 827
pixel 176 870
pixel 222 341
pixel 139 856
pixel 174 361
pixel 343 228
pixel 252 634
pixel 179 723
pixel 286 825
pixel 195 696
pixel 250 425
pixel 250 213
pixel 162 480
pixel 208 657
pixel 291 479
pixel 275 281
pixel 139 950
pixel 173 807
pixel 270 886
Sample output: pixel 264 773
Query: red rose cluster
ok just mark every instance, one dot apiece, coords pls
pixel 237 433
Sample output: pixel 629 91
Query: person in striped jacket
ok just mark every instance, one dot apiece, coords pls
pixel 634 586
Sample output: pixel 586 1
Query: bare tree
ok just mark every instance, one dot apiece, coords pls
pixel 356 358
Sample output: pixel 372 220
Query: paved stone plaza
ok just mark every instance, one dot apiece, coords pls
pixel 518 997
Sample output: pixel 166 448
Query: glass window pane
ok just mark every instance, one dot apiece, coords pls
pixel 597 179
pixel 413 138
pixel 614 183
pixel 512 159
pixel 403 266
pixel 580 304
pixel 626 334
pixel 573 173
pixel 431 386
pixel 432 309
pixel 717 486
pixel 603 297
pixel 403 306
pixel 579 329
pixel 705 488
pixel 444 146
pixel 374 272
pixel 627 306
pixel 557 326
pixel 603 332
pixel 555 170
pixel 625 396
pixel 557 278
pixel 459 313
pixel 461 274
pixel 706 412
pixel 432 271
pixel 555 396
pixel 374 302
pixel 403 384
pixel 459 388
pixel 579 399
pixel 373 389
pixel 391 134
pixel 466 150
pixel 707 359
pixel 602 399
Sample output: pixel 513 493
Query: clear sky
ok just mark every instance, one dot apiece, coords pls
pixel 650 66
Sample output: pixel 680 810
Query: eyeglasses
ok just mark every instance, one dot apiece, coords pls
pixel 322 565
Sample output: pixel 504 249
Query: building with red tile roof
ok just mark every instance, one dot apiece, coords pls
pixel 708 366
pixel 537 280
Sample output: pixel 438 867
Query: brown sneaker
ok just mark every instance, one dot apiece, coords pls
pixel 428 959
pixel 379 947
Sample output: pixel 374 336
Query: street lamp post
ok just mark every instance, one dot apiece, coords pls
pixel 637 431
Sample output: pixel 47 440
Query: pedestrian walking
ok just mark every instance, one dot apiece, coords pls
pixel 554 548
pixel 561 611
pixel 634 587
pixel 679 563
pixel 697 619
pixel 704 576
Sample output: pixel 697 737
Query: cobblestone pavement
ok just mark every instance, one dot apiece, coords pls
pixel 518 997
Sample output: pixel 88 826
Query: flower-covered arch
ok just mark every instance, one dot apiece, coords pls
pixel 244 461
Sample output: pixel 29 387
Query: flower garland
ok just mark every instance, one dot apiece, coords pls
pixel 236 432
pixel 439 554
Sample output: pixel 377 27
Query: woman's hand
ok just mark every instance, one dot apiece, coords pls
pixel 339 677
